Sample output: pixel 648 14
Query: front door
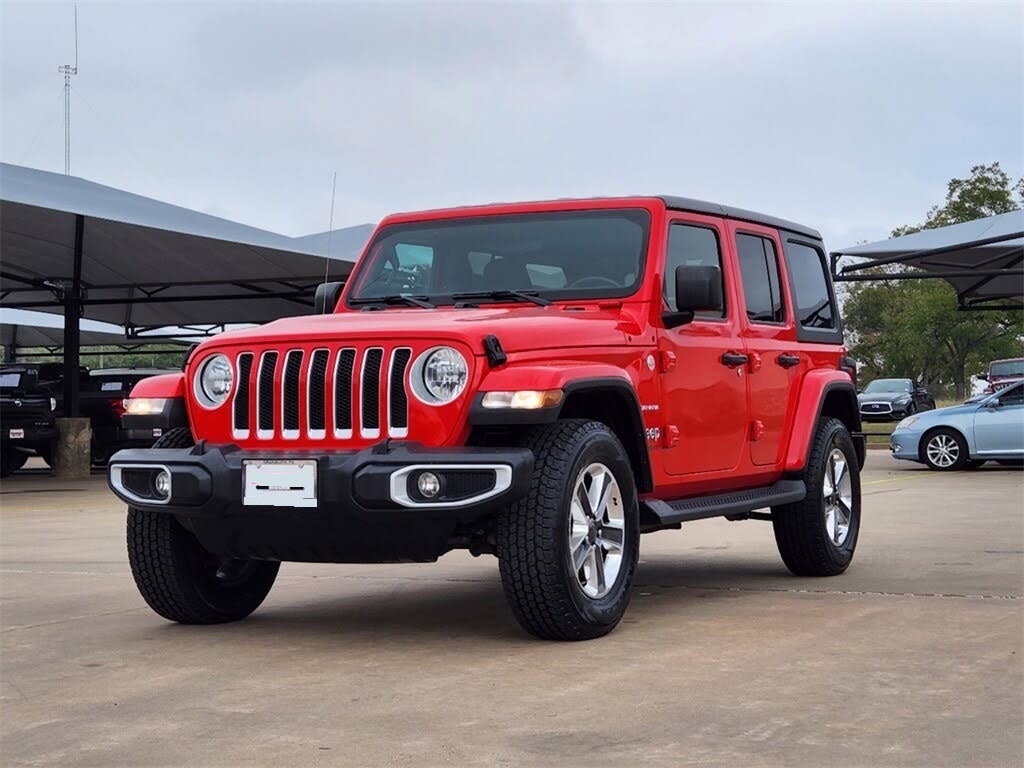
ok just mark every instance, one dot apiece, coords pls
pixel 1000 430
pixel 703 397
pixel 775 363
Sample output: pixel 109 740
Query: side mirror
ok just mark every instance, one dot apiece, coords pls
pixel 983 376
pixel 698 289
pixel 327 297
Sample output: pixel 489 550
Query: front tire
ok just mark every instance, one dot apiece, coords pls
pixel 182 581
pixel 818 535
pixel 945 450
pixel 568 551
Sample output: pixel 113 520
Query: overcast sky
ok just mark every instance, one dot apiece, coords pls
pixel 850 117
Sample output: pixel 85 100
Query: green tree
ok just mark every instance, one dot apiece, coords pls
pixel 913 327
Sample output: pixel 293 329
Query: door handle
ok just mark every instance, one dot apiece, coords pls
pixel 787 360
pixel 732 359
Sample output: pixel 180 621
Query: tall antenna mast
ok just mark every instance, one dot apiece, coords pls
pixel 330 231
pixel 67 70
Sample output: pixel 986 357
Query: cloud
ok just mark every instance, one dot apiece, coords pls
pixel 849 116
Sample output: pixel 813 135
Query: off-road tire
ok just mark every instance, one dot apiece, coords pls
pixel 963 457
pixel 532 535
pixel 178 578
pixel 800 531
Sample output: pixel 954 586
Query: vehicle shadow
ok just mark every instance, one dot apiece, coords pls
pixel 383 614
pixel 364 612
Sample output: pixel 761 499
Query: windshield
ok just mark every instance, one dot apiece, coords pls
pixel 889 385
pixel 1007 368
pixel 561 255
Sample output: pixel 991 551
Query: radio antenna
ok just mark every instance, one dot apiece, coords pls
pixel 68 70
pixel 330 231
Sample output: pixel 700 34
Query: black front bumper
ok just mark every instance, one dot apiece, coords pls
pixel 355 519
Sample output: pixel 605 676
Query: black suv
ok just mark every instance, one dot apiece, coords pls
pixel 27 406
pixel 893 399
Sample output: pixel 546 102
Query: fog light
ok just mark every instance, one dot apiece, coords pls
pixel 428 485
pixel 162 483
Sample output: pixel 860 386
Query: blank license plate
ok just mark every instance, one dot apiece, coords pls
pixel 279 483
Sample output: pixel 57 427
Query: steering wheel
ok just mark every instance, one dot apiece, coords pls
pixel 594 281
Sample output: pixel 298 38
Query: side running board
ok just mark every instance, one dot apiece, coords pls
pixel 655 514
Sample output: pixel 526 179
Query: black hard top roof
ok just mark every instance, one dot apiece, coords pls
pixel 717 209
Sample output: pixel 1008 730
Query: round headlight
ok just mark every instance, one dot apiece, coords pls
pixel 213 383
pixel 439 375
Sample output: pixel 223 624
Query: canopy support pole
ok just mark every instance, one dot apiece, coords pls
pixel 72 325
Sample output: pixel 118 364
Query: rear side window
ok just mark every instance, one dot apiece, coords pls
pixel 810 290
pixel 10 380
pixel 759 269
pixel 693 247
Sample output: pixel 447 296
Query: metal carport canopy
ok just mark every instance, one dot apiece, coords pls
pixel 145 263
pixel 19 336
pixel 71 246
pixel 982 259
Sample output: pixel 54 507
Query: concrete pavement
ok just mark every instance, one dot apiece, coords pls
pixel 912 658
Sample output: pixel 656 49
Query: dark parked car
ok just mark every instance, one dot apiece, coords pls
pixel 893 399
pixel 27 410
pixel 103 400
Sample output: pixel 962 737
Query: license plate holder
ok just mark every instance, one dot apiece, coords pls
pixel 279 483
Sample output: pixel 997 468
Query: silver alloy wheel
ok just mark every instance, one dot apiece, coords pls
pixel 837 494
pixel 943 451
pixel 597 524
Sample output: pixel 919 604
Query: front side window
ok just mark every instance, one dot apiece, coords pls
pixel 759 269
pixel 810 290
pixel 691 246
pixel 1013 396
pixel 560 255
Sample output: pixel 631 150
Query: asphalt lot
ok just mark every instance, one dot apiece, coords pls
pixel 912 658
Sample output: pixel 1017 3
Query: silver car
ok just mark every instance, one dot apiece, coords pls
pixel 965 436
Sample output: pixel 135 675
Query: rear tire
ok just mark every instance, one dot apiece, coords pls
pixel 11 461
pixel 179 579
pixel 566 562
pixel 818 535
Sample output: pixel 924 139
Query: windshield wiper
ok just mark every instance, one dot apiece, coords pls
pixel 397 298
pixel 503 294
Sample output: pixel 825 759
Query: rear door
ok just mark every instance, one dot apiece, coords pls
pixel 766 318
pixel 704 399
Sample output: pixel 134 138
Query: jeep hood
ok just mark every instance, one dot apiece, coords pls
pixel 518 328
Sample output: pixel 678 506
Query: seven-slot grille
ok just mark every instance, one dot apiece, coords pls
pixel 313 393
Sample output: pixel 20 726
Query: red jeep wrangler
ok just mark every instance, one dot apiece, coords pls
pixel 541 381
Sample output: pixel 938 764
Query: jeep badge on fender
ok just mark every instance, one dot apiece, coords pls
pixel 477 383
